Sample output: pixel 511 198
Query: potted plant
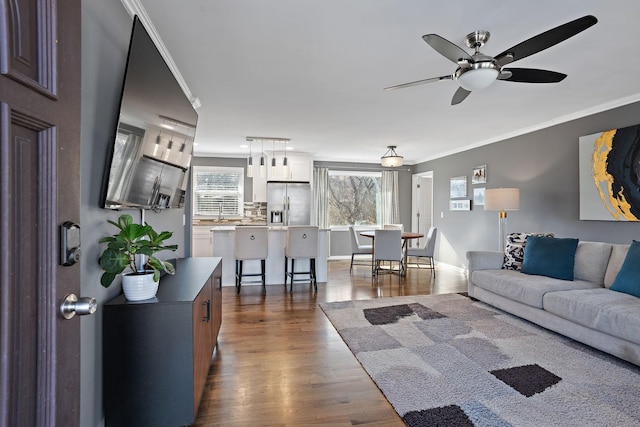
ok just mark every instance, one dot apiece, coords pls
pixel 134 247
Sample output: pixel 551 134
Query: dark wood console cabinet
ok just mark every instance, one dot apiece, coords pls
pixel 157 353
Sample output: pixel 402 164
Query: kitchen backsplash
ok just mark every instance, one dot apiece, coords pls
pixel 255 213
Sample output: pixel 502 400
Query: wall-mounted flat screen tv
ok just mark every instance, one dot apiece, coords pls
pixel 149 160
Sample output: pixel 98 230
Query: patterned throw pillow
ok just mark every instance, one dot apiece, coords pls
pixel 514 249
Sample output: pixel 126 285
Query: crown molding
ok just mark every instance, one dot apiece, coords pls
pixel 596 109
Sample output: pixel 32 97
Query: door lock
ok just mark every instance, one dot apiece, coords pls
pixel 69 243
pixel 73 305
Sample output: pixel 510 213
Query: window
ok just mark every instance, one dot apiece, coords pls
pixel 354 198
pixel 218 191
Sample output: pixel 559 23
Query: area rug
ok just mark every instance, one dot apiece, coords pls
pixel 448 360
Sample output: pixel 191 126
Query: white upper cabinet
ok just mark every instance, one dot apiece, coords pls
pixel 259 186
pixel 300 168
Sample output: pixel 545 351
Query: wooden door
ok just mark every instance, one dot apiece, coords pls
pixel 39 190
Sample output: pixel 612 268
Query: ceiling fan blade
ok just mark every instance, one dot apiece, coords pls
pixel 545 40
pixel 532 75
pixel 460 95
pixel 447 49
pixel 419 82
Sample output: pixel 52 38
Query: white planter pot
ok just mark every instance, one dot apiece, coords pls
pixel 138 287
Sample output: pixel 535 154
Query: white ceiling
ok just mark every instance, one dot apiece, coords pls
pixel 314 71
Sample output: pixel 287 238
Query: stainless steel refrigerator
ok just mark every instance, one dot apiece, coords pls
pixel 288 203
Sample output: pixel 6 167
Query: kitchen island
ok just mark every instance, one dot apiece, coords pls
pixel 223 246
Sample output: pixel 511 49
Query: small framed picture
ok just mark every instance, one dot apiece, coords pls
pixel 458 187
pixel 459 205
pixel 479 175
pixel 478 196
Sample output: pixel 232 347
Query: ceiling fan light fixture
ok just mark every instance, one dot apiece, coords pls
pixel 478 78
pixel 391 159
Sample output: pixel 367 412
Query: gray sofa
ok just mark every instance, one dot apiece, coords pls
pixel 583 309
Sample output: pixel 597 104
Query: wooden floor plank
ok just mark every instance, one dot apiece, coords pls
pixel 280 362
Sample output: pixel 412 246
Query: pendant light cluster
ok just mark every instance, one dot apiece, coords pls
pixel 175 130
pixel 274 165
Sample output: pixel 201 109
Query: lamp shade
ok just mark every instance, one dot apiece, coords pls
pixel 391 158
pixel 478 78
pixel 502 199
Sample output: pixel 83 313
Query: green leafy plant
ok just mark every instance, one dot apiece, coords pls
pixel 123 249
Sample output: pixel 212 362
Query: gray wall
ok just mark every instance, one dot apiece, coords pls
pixel 340 243
pixel 106 28
pixel 544 165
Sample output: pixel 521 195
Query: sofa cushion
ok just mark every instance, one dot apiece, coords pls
pixel 523 288
pixel 618 254
pixel 549 256
pixel 591 261
pixel 514 249
pixel 613 313
pixel 628 278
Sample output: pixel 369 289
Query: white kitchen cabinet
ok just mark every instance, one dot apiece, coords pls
pixel 300 168
pixel 259 187
pixel 201 241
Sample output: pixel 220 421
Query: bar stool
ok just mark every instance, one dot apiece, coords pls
pixel 251 243
pixel 302 242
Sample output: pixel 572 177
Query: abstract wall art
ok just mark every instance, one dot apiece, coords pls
pixel 610 175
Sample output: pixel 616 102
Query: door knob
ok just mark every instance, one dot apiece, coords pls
pixel 73 305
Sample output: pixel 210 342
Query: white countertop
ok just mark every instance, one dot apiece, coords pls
pixel 271 228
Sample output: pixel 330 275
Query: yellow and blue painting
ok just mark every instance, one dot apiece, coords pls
pixel 610 175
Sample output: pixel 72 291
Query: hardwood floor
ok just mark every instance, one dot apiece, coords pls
pixel 280 362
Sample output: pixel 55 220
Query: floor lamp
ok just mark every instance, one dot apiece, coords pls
pixel 502 200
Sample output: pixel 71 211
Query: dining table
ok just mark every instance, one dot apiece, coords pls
pixel 406 236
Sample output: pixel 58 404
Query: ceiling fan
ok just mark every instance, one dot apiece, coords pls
pixel 479 71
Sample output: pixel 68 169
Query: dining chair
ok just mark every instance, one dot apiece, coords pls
pixel 387 246
pixel 393 227
pixel 358 248
pixel 426 251
pixel 301 242
pixel 251 244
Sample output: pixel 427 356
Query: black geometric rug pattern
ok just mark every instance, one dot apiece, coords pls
pixel 449 360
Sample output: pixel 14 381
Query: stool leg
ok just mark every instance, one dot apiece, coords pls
pixel 286 265
pixel 264 281
pixel 239 276
pixel 313 273
pixel 293 272
pixel 237 266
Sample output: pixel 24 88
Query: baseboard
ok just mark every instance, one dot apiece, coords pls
pixel 440 265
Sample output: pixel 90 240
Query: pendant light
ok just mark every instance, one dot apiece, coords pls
pixel 182 147
pixel 157 146
pixel 262 165
pixel 391 158
pixel 274 170
pixel 167 152
pixel 250 161
pixel 285 162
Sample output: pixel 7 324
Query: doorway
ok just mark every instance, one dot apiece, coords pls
pixel 421 203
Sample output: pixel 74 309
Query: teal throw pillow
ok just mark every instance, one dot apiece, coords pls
pixel 549 256
pixel 628 278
